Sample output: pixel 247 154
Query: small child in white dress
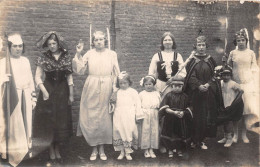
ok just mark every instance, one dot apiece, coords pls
pixel 150 103
pixel 127 113
pixel 230 90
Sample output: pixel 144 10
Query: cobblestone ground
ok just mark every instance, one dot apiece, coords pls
pixel 76 153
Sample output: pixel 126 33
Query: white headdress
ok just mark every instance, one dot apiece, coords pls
pixel 16 39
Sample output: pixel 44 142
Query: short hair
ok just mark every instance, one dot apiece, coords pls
pixel 149 78
pixel 51 37
pixel 10 45
pixel 201 38
pixel 126 77
pixel 174 46
pixel 99 33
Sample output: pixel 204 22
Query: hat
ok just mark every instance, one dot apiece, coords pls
pixel 177 80
pixel 15 39
pixel 226 70
pixel 241 34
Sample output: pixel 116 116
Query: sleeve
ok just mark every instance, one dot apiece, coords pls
pixel 230 61
pixel 153 66
pixel 254 66
pixel 32 85
pixel 70 80
pixel 115 72
pixel 39 76
pixel 164 105
pixel 138 112
pixel 79 65
pixel 183 72
pixel 193 82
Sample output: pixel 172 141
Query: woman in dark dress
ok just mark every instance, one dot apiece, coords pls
pixel 204 93
pixel 53 112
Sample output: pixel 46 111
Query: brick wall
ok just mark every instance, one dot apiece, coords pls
pixel 136 27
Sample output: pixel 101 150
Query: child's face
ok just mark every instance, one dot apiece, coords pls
pixel 241 43
pixel 148 86
pixel 177 88
pixel 226 77
pixel 123 84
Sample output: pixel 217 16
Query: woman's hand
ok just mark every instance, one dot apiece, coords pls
pixel 113 97
pixel 79 47
pixel 71 99
pixel 6 78
pixel 203 88
pixel 33 104
pixel 45 95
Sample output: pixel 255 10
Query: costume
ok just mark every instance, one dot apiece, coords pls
pixel 150 102
pixel 163 65
pixel 176 132
pixel 205 104
pixel 246 73
pixel 95 122
pixel 127 111
pixel 53 117
pixel 20 129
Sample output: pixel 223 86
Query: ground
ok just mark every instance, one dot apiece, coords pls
pixel 76 154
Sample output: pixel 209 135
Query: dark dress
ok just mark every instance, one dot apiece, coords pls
pixel 176 132
pixel 205 104
pixel 53 118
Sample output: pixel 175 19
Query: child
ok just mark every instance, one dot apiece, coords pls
pixel 246 74
pixel 127 112
pixel 230 90
pixel 176 129
pixel 150 102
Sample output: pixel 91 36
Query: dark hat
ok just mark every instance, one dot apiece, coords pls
pixel 226 70
pixel 177 80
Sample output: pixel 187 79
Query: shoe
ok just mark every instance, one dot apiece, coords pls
pixel 103 156
pixel 224 140
pixel 234 139
pixel 228 143
pixel 163 149
pixel 180 154
pixel 203 146
pixel 147 154
pixel 51 162
pixel 170 154
pixel 152 154
pixel 245 139
pixel 121 156
pixel 128 157
pixel 93 157
pixel 193 145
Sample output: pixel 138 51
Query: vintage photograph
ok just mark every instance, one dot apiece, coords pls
pixel 129 83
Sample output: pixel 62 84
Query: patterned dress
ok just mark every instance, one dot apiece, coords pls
pixel 150 103
pixel 127 111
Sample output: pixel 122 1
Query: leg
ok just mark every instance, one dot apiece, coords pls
pixel 122 154
pixel 102 154
pixel 244 137
pixel 225 137
pixel 235 127
pixel 57 151
pixel 52 152
pixel 94 153
pixel 228 130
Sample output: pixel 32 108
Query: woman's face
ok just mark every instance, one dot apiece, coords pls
pixel 99 41
pixel 53 45
pixel 241 43
pixel 201 48
pixel 123 84
pixel 148 86
pixel 16 50
pixel 167 42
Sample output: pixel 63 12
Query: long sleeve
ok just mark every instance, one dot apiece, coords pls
pixel 39 76
pixel 116 71
pixel 153 66
pixel 229 61
pixel 70 80
pixel 193 82
pixel 79 65
pixel 254 66
pixel 138 111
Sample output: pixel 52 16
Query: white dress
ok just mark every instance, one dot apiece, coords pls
pixel 20 120
pixel 246 73
pixel 95 122
pixel 150 103
pixel 127 111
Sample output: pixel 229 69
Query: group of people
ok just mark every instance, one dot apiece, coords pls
pixel 181 105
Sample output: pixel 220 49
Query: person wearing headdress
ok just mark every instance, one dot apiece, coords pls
pixel 16 123
pixel 53 117
pixel 101 66
pixel 166 63
pixel 204 93
pixel 177 113
pixel 246 73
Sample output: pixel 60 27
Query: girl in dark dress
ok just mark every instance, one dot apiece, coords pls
pixel 53 112
pixel 204 93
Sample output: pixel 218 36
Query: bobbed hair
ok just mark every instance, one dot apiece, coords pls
pixel 99 33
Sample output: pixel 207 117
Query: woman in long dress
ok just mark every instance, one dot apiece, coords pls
pixel 95 122
pixel 54 78
pixel 20 125
pixel 246 73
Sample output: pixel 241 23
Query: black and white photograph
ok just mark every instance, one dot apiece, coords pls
pixel 129 83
